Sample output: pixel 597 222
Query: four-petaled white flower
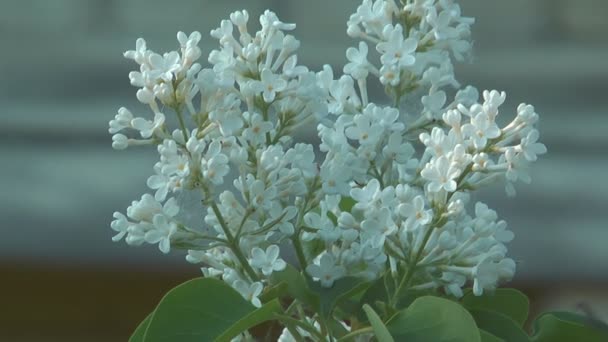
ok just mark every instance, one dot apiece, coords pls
pixel 530 147
pixel 487 273
pixel 148 128
pixel 250 292
pixel 365 130
pixel 326 270
pixel 256 132
pixel 271 84
pixel 268 261
pixel 415 213
pixel 441 174
pixel 396 50
pixel 358 65
pixel 481 129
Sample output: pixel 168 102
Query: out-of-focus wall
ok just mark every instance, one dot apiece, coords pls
pixel 63 77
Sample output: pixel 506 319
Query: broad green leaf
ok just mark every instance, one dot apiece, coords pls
pixel 563 326
pixel 380 330
pixel 140 331
pixel 487 337
pixel 272 292
pixel 261 315
pixel 584 320
pixel 201 309
pixel 499 325
pixel 509 302
pixel 297 286
pixel 431 318
pixel 342 289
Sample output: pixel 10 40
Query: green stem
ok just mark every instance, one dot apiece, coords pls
pixel 411 270
pixel 234 246
pixel 265 107
pixel 297 244
pixel 182 124
pixel 353 334
pixel 437 222
pixel 248 213
pixel 300 323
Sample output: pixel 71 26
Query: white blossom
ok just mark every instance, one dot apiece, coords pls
pixel 391 178
pixel 441 175
pixel 326 270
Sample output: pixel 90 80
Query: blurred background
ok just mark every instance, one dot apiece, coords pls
pixel 63 78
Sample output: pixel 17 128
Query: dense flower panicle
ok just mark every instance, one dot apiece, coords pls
pixel 389 191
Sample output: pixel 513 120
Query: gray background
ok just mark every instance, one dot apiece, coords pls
pixel 63 78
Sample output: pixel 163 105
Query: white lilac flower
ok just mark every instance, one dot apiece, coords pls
pixel 326 270
pixel 397 165
pixel 257 129
pixel 389 75
pixel 267 261
pixel 140 52
pixel 434 102
pixel 121 121
pixel 120 141
pixel 438 142
pixel 215 164
pixel 487 273
pixel 271 84
pixel 467 96
pixel 189 45
pixel 530 147
pixel 441 174
pixel 481 128
pixel 365 130
pixel 336 179
pixel 163 67
pixel 162 232
pixel 517 167
pixel 343 95
pixel 120 224
pixel 250 292
pixel 397 150
pixel 358 65
pixel 367 195
pixel 325 229
pixel 492 100
pixel 396 50
pixel 261 196
pixel 148 128
pixel 415 213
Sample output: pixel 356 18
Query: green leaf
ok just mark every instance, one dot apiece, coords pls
pixel 564 326
pixel 201 309
pixel 336 328
pixel 487 337
pixel 140 331
pixel 509 302
pixel 380 330
pixel 431 318
pixel 342 289
pixel 261 315
pixel 347 204
pixel 313 248
pixel 297 286
pixel 499 325
pixel 376 292
pixel 274 291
